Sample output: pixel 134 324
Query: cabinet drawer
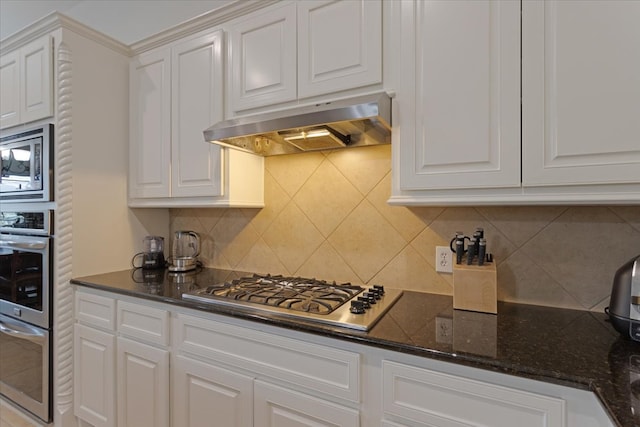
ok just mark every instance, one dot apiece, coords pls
pixel 435 398
pixel 146 323
pixel 96 310
pixel 312 366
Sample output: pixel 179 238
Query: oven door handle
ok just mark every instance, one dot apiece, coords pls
pixel 14 244
pixel 22 331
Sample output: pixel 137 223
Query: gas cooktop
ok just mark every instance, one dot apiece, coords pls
pixel 343 305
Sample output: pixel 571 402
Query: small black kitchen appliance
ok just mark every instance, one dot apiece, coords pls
pixel 624 305
pixel 153 255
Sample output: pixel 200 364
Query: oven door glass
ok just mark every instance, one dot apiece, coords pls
pixel 24 278
pixel 21 166
pixel 24 366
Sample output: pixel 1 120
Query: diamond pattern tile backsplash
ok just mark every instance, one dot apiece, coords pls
pixel 326 216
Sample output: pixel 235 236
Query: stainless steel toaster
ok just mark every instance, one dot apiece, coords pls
pixel 624 305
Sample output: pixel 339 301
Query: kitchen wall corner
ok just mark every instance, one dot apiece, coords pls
pixel 326 216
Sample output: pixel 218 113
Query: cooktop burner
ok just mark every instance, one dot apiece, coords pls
pixel 344 305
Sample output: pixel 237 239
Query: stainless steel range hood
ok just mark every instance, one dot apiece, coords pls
pixel 353 122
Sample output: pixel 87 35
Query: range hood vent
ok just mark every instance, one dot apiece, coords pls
pixel 353 122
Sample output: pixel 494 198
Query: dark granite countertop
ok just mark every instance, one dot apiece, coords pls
pixel 567 347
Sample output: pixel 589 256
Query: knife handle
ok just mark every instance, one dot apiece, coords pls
pixel 482 250
pixel 471 251
pixel 459 251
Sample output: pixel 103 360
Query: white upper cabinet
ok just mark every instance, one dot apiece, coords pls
pixel 466 133
pixel 460 96
pixel 339 45
pixel 176 93
pixel 304 49
pixel 26 83
pixel 581 92
pixel 197 103
pixel 150 128
pixel 262 55
pixel 10 89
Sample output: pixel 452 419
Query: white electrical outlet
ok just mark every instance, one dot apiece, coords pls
pixel 444 259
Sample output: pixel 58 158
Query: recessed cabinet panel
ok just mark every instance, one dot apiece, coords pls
pixel 206 395
pixel 142 384
pixel 94 379
pixel 10 89
pixel 464 131
pixel 263 58
pixel 197 104
pixel 36 82
pixel 581 92
pixel 339 45
pixel 150 126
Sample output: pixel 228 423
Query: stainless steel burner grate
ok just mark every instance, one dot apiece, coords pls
pixel 297 298
pixel 294 293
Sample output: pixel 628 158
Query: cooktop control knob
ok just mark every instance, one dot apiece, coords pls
pixel 380 289
pixel 365 301
pixel 375 292
pixel 357 307
pixel 370 296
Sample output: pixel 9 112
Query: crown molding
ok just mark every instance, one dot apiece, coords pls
pixel 53 22
pixel 202 22
pixel 56 20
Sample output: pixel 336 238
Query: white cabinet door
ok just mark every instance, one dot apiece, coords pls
pixel 263 59
pixel 94 376
pixel 206 395
pixel 277 407
pixel 581 92
pixel 339 45
pixel 10 89
pixel 36 80
pixel 460 95
pixel 150 127
pixel 142 385
pixel 197 103
pixel 26 83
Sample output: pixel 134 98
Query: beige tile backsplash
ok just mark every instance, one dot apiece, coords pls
pixel 326 216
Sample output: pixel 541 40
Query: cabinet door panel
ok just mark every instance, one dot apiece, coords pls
pixel 36 80
pixel 438 399
pixel 263 59
pixel 278 407
pixel 94 376
pixel 461 82
pixel 206 395
pixel 10 89
pixel 339 45
pixel 150 143
pixel 581 92
pixel 143 385
pixel 197 82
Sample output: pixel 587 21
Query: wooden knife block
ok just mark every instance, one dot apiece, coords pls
pixel 475 287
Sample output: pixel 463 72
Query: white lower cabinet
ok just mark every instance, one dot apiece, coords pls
pixel 247 377
pixel 121 363
pixel 142 373
pixel 203 392
pixel 172 366
pixel 94 376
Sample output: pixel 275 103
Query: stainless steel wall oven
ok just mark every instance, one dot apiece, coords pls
pixel 25 306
